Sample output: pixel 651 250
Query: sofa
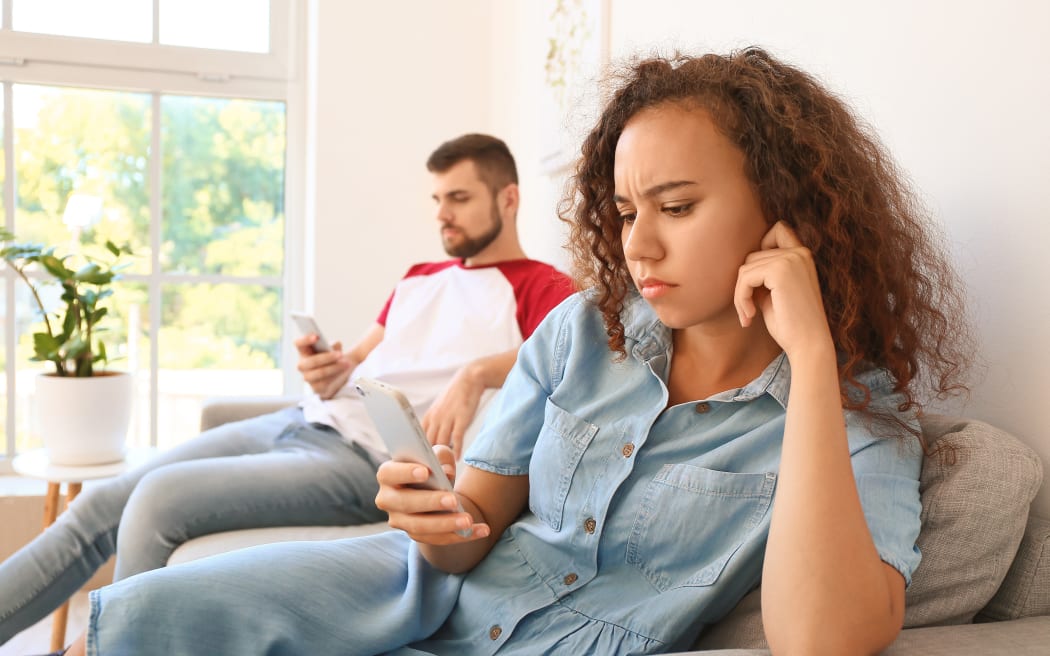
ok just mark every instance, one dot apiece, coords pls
pixel 983 586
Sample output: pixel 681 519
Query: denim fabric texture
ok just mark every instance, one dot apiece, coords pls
pixel 644 523
pixel 273 470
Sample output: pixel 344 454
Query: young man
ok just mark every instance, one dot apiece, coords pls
pixel 449 331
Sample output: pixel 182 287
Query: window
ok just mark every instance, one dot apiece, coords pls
pixel 162 124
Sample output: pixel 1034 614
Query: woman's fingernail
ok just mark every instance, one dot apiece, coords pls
pixel 449 501
pixel 419 473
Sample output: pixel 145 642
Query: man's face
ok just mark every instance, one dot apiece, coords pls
pixel 466 209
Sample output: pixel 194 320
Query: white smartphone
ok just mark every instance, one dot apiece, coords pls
pixel 403 434
pixel 308 325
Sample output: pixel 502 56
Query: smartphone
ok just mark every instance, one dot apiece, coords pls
pixel 308 325
pixel 402 433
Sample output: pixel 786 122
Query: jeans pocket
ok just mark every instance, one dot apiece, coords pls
pixel 559 448
pixel 692 520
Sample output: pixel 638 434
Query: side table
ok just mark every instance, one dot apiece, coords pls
pixel 35 464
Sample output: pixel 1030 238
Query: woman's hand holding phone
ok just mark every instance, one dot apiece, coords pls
pixel 426 515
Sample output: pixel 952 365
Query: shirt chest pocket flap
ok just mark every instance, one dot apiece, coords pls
pixel 559 447
pixel 692 520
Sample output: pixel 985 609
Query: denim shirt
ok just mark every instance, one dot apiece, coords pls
pixel 645 523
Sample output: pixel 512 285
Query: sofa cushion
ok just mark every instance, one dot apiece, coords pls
pixel 216 543
pixel 973 518
pixel 975 500
pixel 1026 590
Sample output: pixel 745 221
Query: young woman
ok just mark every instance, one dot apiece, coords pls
pixel 733 402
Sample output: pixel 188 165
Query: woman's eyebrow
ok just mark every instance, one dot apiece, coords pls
pixel 656 190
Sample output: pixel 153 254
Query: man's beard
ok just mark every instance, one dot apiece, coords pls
pixel 471 246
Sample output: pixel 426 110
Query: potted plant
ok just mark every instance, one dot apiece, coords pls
pixel 82 412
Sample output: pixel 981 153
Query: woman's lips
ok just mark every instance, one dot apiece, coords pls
pixel 651 288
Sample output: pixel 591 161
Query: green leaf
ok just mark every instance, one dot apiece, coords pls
pixel 45 346
pixel 112 248
pixel 69 324
pixel 100 351
pixel 93 275
pixel 77 348
pixel 97 315
pixel 55 267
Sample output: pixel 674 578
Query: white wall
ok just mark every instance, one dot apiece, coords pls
pixel 393 80
pixel 957 89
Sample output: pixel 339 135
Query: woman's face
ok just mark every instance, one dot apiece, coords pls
pixel 690 216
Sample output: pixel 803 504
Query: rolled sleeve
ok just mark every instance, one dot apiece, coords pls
pixel 887 460
pixel 505 444
pixel 891 508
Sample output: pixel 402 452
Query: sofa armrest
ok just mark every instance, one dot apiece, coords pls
pixel 222 410
pixel 1026 590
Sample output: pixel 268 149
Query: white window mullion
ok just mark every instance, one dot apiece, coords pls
pixel 37 72
pixel 10 338
pixel 142 56
pixel 156 187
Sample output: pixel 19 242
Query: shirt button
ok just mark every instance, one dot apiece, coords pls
pixel 701 408
pixel 570 579
pixel 589 525
pixel 627 450
pixel 495 632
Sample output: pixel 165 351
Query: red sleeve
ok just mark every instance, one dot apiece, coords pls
pixel 538 289
pixel 381 319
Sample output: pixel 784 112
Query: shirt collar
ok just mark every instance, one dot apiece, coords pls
pixel 652 338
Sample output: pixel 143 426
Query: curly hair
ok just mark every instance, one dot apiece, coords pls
pixel 892 299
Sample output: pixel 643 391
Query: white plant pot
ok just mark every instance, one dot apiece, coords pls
pixel 84 421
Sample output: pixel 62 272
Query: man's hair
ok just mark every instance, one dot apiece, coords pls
pixel 490 155
pixel 891 297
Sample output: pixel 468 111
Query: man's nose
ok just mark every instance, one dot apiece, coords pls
pixel 444 213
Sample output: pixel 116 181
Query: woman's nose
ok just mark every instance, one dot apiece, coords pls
pixel 642 239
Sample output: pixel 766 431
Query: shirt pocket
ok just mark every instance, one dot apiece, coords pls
pixel 559 448
pixel 692 520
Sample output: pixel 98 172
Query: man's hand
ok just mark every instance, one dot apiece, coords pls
pixel 325 372
pixel 447 420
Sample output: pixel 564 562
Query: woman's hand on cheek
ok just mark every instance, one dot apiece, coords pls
pixel 780 281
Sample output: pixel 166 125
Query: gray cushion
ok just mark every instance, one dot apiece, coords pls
pixel 974 512
pixel 973 518
pixel 1026 590
pixel 1025 637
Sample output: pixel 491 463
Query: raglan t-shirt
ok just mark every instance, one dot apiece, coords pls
pixel 440 316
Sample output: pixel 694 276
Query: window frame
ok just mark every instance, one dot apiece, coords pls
pixel 158 70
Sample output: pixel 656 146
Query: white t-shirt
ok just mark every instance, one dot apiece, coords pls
pixel 441 316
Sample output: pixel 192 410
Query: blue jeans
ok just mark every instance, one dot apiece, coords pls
pixel 274 470
pixel 368 595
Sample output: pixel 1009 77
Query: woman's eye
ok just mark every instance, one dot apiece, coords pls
pixel 678 210
pixel 627 217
